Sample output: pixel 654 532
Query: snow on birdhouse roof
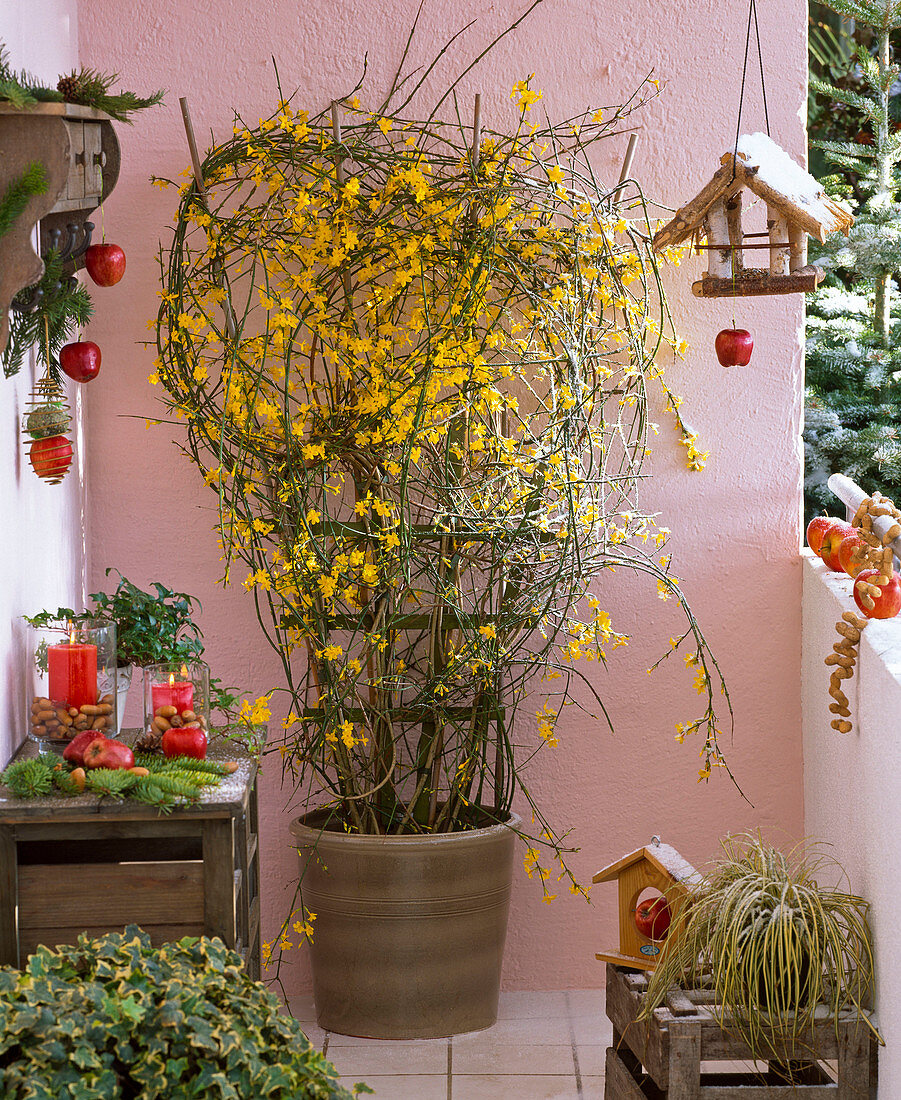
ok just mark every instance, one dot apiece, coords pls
pixel 664 856
pixel 771 174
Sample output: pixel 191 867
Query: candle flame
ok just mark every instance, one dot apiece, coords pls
pixel 184 671
pixel 71 634
pixel 171 679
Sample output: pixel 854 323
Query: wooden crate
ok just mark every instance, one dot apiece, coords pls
pixel 669 1056
pixel 95 865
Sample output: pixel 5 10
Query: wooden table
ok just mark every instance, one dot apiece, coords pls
pixel 90 864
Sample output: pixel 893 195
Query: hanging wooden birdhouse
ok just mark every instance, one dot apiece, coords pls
pixel 796 206
pixel 644 928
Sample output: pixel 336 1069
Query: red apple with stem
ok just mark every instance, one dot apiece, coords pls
pixel 852 554
pixel 188 740
pixel 81 360
pixel 832 540
pixel 105 263
pixel 816 529
pixel 105 752
pixel 50 457
pixel 887 604
pixel 74 751
pixel 733 347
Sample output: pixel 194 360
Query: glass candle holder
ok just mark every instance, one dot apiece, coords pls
pixel 176 694
pixel 73 681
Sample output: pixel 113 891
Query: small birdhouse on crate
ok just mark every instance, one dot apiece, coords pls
pixel 796 205
pixel 643 925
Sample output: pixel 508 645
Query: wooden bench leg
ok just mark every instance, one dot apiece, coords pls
pixel 684 1060
pixel 853 1061
pixel 219 879
pixel 9 898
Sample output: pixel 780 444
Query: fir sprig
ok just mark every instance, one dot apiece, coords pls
pixel 91 88
pixel 33 181
pixel 64 304
pixel 113 782
pixel 29 778
pixel 155 763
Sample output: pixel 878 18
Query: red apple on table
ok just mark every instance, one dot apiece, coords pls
pixel 733 347
pixel 652 917
pixel 188 740
pixel 51 456
pixel 887 603
pixel 816 529
pixel 832 540
pixel 850 561
pixel 105 263
pixel 74 751
pixel 81 360
pixel 105 752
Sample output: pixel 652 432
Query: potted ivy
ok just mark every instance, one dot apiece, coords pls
pixel 427 438
pixel 116 1016
pixel 151 626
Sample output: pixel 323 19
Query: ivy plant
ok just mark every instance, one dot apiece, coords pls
pixel 115 1017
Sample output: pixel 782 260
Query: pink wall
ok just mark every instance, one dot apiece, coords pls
pixel 735 526
pixel 42 561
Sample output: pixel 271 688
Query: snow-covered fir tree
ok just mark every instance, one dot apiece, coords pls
pixel 853 401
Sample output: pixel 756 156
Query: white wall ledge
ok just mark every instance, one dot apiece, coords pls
pixel 852 782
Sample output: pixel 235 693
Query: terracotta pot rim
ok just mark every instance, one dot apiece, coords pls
pixel 311 835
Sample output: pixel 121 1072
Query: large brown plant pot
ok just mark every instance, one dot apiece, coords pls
pixel 409 931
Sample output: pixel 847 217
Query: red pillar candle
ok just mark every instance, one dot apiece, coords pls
pixel 72 671
pixel 174 694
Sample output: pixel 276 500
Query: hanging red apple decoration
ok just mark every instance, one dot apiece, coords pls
pixel 81 360
pixel 105 263
pixel 733 347
pixel 51 457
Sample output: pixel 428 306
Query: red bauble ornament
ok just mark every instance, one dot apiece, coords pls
pixel 733 347
pixel 105 263
pixel 81 361
pixel 51 457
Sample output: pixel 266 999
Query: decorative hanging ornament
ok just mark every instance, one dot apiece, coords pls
pixel 105 263
pixel 80 361
pixel 46 419
pixel 733 347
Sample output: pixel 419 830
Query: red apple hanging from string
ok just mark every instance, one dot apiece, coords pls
pixel 51 457
pixel 80 361
pixel 105 263
pixel 733 347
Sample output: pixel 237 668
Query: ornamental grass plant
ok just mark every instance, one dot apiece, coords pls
pixel 412 355
pixel 772 944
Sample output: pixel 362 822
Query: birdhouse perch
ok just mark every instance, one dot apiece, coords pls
pixel 796 206
pixel 656 866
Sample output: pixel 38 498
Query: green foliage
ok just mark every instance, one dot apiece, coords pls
pixel 92 89
pixel 33 181
pixel 64 306
pixel 29 778
pixel 115 1018
pixel 853 405
pixel 151 627
pixel 207 771
pixel 112 782
pixel 773 943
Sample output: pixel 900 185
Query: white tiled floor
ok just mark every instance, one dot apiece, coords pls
pixel 544 1046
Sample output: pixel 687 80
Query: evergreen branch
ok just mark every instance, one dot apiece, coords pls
pixel 867 107
pixel 33 181
pixel 91 88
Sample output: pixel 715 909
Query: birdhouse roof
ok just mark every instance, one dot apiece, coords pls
pixel 662 856
pixel 771 174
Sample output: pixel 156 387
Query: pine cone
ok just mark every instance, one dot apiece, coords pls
pixel 70 86
pixel 149 742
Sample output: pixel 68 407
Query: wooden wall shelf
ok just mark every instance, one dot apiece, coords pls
pixel 79 151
